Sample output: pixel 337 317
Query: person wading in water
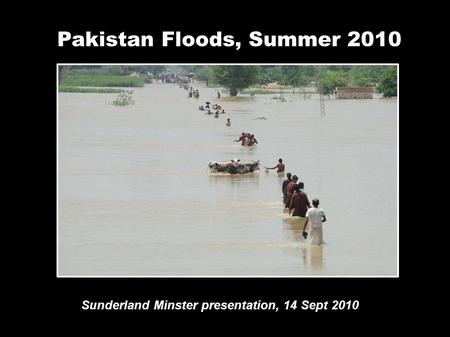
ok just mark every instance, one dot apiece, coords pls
pixel 279 166
pixel 290 189
pixel 283 188
pixel 299 202
pixel 316 216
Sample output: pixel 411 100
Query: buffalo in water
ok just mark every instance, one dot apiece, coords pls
pixel 233 167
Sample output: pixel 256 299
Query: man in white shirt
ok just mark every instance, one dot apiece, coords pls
pixel 316 216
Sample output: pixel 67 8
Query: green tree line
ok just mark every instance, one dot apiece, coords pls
pixel 325 78
pixel 238 77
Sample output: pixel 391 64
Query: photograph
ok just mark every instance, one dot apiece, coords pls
pixel 236 170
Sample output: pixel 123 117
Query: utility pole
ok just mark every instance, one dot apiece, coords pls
pixel 322 105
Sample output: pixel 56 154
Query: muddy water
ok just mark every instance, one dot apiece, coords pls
pixel 135 198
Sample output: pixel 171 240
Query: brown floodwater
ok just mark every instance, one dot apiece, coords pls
pixel 135 197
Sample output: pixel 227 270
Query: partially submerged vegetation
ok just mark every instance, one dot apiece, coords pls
pixel 90 90
pixel 280 98
pixel 123 99
pixel 265 91
pixel 257 91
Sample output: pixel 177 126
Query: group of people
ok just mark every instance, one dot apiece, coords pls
pixel 193 93
pixel 168 78
pixel 247 139
pixel 297 203
pixel 295 200
pixel 215 109
pixel 182 79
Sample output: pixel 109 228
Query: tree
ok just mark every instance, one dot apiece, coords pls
pixel 388 82
pixel 295 76
pixel 114 70
pixel 202 73
pixel 360 77
pixel 366 76
pixel 155 70
pixel 189 68
pixel 329 80
pixel 338 68
pixel 235 77
pixel 63 71
pixel 270 74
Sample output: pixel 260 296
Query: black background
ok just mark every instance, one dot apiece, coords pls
pixel 380 298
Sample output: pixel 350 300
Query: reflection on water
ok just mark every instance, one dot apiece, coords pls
pixel 135 196
pixel 294 226
pixel 313 256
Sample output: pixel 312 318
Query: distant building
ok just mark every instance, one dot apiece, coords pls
pixel 356 92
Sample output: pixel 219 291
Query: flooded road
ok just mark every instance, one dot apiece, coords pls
pixel 135 197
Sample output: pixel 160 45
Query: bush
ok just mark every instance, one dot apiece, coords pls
pixel 124 98
pixel 329 80
pixel 388 82
pixel 147 78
